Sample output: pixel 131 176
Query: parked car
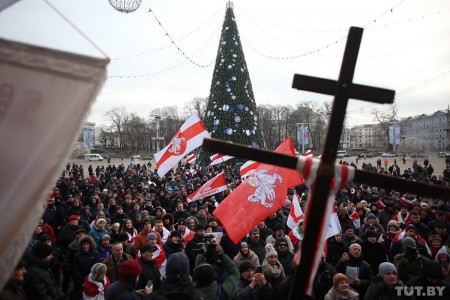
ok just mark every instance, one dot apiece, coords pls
pixel 389 155
pixel 443 154
pixel 366 155
pixel 135 157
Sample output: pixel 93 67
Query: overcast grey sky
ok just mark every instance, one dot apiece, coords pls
pixel 406 49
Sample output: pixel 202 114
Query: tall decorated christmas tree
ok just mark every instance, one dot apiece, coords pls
pixel 231 111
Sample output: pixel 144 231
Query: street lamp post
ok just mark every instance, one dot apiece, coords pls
pixel 157 118
pixel 301 131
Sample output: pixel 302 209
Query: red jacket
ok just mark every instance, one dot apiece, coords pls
pixel 93 288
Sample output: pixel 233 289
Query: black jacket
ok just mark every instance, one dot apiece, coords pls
pixel 40 283
pixel 150 271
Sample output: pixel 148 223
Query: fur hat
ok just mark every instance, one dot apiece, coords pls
pixel 42 250
pixel 130 268
pixel 204 274
pixel 177 264
pixel 98 269
pixel 245 266
pixel 386 267
pixel 338 278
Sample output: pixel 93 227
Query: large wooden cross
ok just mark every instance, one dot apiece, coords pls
pixel 343 89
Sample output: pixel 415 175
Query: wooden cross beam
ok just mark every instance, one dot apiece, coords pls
pixel 343 89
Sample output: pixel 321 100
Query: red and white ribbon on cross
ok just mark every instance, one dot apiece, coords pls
pixel 343 174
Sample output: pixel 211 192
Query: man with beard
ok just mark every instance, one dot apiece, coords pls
pixel 195 244
pixel 246 255
pixel 257 245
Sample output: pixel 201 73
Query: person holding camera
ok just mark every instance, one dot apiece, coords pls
pixel 252 284
pixel 173 244
pixel 195 244
pixel 409 263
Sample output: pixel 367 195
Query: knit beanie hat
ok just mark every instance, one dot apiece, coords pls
pixel 386 267
pixel 130 268
pixel 271 253
pixel 42 250
pixel 245 266
pixel 100 220
pixel 106 236
pixel 204 274
pixel 98 269
pixel 151 236
pixel 123 236
pixel 371 216
pixel 147 248
pixel 408 242
pixel 338 278
pixel 244 244
pixel 393 223
pixel 45 237
pixel 73 218
pixel 177 264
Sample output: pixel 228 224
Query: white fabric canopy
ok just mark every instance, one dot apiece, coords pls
pixel 44 97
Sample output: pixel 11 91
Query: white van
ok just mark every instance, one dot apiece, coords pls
pixel 341 154
pixel 91 157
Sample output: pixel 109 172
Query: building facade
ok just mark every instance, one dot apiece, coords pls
pixel 434 129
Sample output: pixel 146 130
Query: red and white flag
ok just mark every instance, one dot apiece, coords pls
pixel 380 204
pixel 334 227
pixel 258 196
pixel 189 137
pixel 356 219
pixel 219 158
pixel 308 153
pixel 419 238
pixel 407 202
pixel 191 158
pixel 248 168
pixel 213 186
pixel 295 214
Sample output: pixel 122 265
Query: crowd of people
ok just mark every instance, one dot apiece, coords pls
pixel 122 232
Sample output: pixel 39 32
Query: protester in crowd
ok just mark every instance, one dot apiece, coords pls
pixel 410 261
pixel 128 248
pixel 335 249
pixel 252 286
pixel 96 283
pixel 39 282
pixel 385 284
pixel 374 252
pixel 104 247
pixel 83 261
pixel 370 221
pixel 431 278
pixel 246 255
pixel 150 270
pixel 357 270
pixel 285 256
pixel 205 280
pixel 173 243
pixel 141 239
pixel 273 269
pixel 279 231
pixel 341 289
pixel 115 260
pixel 257 245
pixel 13 289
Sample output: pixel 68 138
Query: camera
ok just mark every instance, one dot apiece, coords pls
pixel 259 269
pixel 207 238
pixel 411 253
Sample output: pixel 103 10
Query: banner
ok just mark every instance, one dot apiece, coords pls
pixel 44 97
pixel 219 158
pixel 248 168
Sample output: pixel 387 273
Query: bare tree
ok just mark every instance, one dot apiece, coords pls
pixel 197 105
pixel 119 117
pixel 384 119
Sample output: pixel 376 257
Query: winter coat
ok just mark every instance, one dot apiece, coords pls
pixel 141 239
pixel 93 289
pixel 363 271
pixel 374 254
pixel 119 290
pixel 378 290
pixel 259 292
pixel 112 266
pixel 422 282
pixel 252 258
pixel 363 229
pixel 40 283
pixel 228 287
pixel 83 261
pixel 97 234
pixel 150 271
pixel 333 295
pixel 273 274
pixel 67 236
pixel 335 251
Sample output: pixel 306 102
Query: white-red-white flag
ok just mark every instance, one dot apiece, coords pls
pixel 188 138
pixel 334 227
pixel 213 186
pixel 356 219
pixel 308 153
pixel 295 214
pixel 191 158
pixel 219 158
pixel 380 204
pixel 248 168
